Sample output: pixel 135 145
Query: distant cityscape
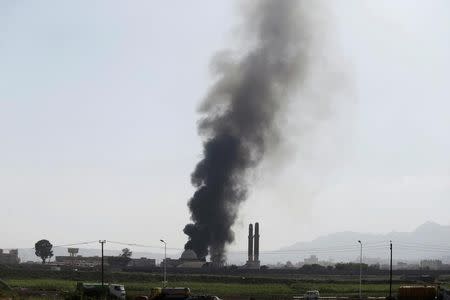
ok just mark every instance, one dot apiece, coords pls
pixel 189 260
pixel 426 248
pixel 425 264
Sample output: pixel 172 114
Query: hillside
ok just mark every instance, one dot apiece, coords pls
pixel 429 240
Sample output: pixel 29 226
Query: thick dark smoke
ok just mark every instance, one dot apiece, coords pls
pixel 242 113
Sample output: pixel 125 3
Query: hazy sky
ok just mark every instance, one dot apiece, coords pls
pixel 98 120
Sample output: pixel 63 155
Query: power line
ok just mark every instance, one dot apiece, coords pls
pixel 422 249
pixel 371 246
pixel 56 246
pixel 75 244
pixel 425 246
pixel 348 248
pixel 142 246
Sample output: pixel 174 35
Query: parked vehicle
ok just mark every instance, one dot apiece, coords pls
pixel 417 292
pixel 443 293
pixel 312 295
pixel 177 293
pixel 108 290
pixel 205 297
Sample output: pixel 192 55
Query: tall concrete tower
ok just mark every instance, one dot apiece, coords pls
pixel 256 238
pixel 253 247
pixel 250 242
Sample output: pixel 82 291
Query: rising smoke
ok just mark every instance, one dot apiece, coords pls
pixel 241 116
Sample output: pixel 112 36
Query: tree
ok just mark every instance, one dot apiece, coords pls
pixel 289 265
pixel 43 249
pixel 350 267
pixel 126 253
pixel 314 268
pixel 122 260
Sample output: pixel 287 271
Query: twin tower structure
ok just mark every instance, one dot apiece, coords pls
pixel 253 247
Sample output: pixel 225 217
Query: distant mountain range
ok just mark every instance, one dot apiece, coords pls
pixel 429 240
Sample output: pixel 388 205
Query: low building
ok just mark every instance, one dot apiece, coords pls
pixel 312 260
pixel 8 258
pixel 431 264
pixel 80 261
pixel 170 262
pixel 188 260
pixel 142 262
pixel 401 266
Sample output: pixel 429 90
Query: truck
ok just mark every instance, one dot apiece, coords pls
pixel 101 291
pixel 175 293
pixel 167 293
pixel 417 292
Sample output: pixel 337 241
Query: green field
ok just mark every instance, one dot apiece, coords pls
pixel 30 282
pixel 220 289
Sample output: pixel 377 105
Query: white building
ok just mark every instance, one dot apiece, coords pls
pixel 312 260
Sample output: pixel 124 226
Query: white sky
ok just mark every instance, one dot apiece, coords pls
pixel 98 123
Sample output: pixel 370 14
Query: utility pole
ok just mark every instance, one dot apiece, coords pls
pixel 390 273
pixel 102 242
pixel 165 263
pixel 360 270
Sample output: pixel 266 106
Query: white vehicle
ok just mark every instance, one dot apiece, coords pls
pixel 312 295
pixel 110 290
pixel 118 291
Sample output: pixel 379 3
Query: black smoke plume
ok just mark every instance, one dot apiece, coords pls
pixel 241 116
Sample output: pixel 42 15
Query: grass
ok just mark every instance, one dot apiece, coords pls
pixel 43 284
pixel 228 287
pixel 220 289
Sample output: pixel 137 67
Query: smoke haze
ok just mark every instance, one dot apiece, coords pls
pixel 242 114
